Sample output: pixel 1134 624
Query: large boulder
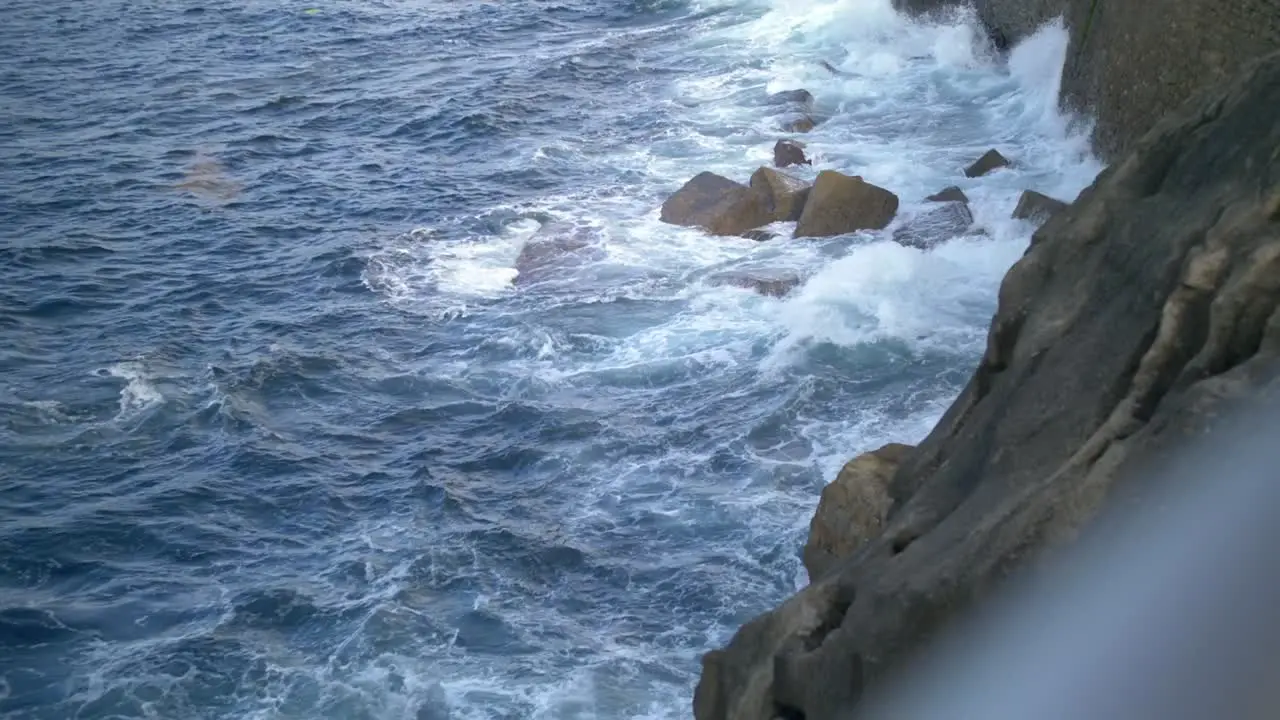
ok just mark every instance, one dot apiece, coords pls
pixel 852 509
pixel 786 194
pixel 934 226
pixel 990 160
pixel 840 204
pixel 789 152
pixel 1037 206
pixel 718 205
pixel 1138 317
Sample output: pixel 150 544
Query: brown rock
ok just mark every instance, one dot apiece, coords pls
pixel 841 204
pixel 951 194
pixel 852 509
pixel 768 284
pixel 786 194
pixel 789 152
pixel 718 205
pixel 1036 206
pixel 985 164
pixel 802 124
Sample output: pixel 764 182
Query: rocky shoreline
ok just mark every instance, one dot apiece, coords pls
pixel 1140 313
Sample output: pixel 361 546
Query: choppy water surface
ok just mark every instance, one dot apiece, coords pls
pixel 281 438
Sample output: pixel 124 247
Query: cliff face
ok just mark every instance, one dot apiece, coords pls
pixel 1135 316
pixel 1130 63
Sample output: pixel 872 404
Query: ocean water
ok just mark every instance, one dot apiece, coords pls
pixel 283 433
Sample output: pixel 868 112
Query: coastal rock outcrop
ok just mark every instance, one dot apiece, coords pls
pixel 852 508
pixel 1138 316
pixel 1130 63
pixel 718 205
pixel 841 204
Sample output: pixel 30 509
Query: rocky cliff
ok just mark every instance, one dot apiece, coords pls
pixel 1135 316
pixel 1130 63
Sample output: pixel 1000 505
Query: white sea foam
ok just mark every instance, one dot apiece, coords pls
pixel 139 393
pixel 912 103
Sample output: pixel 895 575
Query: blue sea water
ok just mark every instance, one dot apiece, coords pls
pixel 286 435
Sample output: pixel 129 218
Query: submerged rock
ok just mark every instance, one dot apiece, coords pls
pixel 935 226
pixel 852 509
pixel 801 99
pixel 786 194
pixel 951 194
pixel 802 124
pixel 759 235
pixel 718 205
pixel 1036 206
pixel 553 250
pixel 840 204
pixel 991 160
pixel 768 284
pixel 1141 317
pixel 789 152
pixel 834 70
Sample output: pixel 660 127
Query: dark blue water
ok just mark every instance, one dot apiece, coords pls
pixel 281 438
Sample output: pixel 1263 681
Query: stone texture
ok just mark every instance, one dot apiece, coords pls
pixel 1131 63
pixel 852 508
pixel 990 160
pixel 935 226
pixel 1037 206
pixel 789 152
pixel 951 194
pixel 786 194
pixel 1140 315
pixel 841 204
pixel 718 205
